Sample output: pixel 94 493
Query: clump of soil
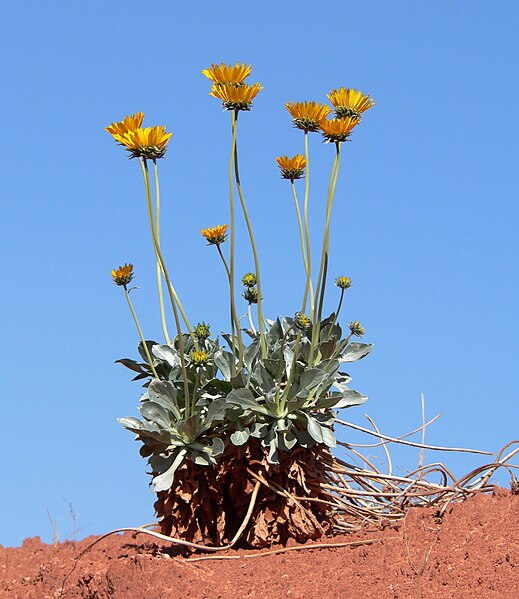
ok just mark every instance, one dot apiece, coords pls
pixel 473 550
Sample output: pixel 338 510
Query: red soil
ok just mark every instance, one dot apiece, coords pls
pixel 473 551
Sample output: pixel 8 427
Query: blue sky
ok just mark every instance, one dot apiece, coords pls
pixel 425 220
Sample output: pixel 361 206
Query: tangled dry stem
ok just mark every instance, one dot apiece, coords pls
pixel 364 494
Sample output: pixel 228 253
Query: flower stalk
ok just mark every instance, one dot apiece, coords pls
pixel 233 227
pixel 159 272
pixel 251 236
pixel 143 341
pixel 235 322
pixel 323 267
pixel 308 283
pixel 172 294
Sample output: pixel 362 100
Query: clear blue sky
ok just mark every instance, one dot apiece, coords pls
pixel 426 219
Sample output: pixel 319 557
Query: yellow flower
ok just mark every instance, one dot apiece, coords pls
pixel 292 168
pixel 301 321
pixel 123 275
pixel 129 123
pixel 215 235
pixel 227 73
pixel 235 97
pixel 249 279
pixel 343 282
pixel 199 358
pixel 349 102
pixel 338 129
pixel 145 143
pixel 307 115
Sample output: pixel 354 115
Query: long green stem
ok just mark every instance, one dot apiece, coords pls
pixel 171 290
pixel 323 287
pixel 172 295
pixel 143 341
pixel 159 273
pixel 321 280
pixel 233 228
pixel 325 271
pixel 195 391
pixel 308 284
pixel 235 322
pixel 304 249
pixel 251 322
pixel 338 308
pixel 251 237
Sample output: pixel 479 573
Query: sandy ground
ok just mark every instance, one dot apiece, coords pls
pixel 473 551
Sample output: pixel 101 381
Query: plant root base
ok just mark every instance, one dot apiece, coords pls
pixel 207 505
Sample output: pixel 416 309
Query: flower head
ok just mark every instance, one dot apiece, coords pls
pixel 292 168
pixel 215 235
pixel 235 97
pixel 202 331
pixel 349 102
pixel 123 275
pixel 222 74
pixel 301 321
pixel 149 143
pixel 343 282
pixel 249 279
pixel 338 129
pixel 129 123
pixel 199 358
pixel 307 115
pixel 356 328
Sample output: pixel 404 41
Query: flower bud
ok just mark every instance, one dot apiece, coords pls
pixel 356 328
pixel 202 331
pixel 301 321
pixel 343 282
pixel 251 295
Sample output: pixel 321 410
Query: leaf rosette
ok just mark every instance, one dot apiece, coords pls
pixel 281 399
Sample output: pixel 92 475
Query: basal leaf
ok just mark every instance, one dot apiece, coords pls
pixel 163 481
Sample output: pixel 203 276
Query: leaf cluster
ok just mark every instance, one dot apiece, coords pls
pixel 285 399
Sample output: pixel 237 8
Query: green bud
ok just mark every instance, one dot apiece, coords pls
pixel 202 331
pixel 251 295
pixel 356 328
pixel 301 321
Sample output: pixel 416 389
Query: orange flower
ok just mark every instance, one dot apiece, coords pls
pixel 292 168
pixel 338 129
pixel 129 123
pixel 349 102
pixel 307 115
pixel 223 74
pixel 123 275
pixel 235 97
pixel 145 143
pixel 215 235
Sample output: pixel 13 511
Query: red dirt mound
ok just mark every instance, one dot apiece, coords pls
pixel 473 551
